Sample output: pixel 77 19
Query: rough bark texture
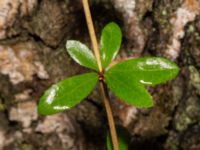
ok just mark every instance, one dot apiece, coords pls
pixel 33 56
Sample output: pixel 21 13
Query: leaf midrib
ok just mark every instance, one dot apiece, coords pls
pixel 136 100
pixel 118 81
pixel 83 83
pixel 124 70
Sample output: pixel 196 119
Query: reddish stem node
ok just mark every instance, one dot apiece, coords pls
pixel 101 76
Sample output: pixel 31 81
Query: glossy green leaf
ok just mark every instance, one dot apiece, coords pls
pixel 123 140
pixel 128 90
pixel 110 43
pixel 67 93
pixel 147 70
pixel 81 54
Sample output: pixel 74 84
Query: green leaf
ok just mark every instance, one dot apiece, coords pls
pixel 128 90
pixel 146 70
pixel 123 140
pixel 109 142
pixel 111 38
pixel 81 54
pixel 67 93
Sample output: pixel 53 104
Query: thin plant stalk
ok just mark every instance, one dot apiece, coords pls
pixel 103 86
pixel 92 34
pixel 111 122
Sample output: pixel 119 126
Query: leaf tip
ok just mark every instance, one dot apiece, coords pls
pixel 40 110
pixel 148 103
pixel 69 43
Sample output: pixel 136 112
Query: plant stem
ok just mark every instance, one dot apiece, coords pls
pixel 111 123
pixel 92 33
pixel 103 86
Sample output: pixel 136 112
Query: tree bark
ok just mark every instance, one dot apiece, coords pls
pixel 33 56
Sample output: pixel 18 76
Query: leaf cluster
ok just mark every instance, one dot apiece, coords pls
pixel 127 79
